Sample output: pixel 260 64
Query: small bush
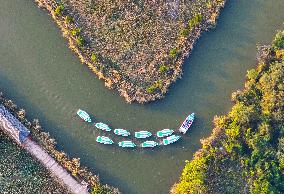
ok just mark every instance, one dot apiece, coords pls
pixel 278 42
pixel 59 9
pixel 252 74
pixel 184 32
pixel 69 19
pixel 163 69
pixel 99 189
pixel 195 20
pixel 80 41
pixel 279 53
pixel 151 89
pixel 76 31
pixel 173 52
pixel 94 57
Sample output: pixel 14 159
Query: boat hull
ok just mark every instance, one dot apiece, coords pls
pixel 126 144
pixel 142 134
pixel 104 140
pixel 121 132
pixel 149 144
pixel 103 126
pixel 187 123
pixel 84 115
pixel 171 139
pixel 164 133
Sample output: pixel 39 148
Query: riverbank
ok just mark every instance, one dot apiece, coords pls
pixel 21 173
pixel 81 174
pixel 245 153
pixel 137 49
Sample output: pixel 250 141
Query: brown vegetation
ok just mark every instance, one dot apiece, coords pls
pixel 126 42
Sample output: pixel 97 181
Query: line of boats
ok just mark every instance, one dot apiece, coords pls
pixel 146 144
pixel 166 134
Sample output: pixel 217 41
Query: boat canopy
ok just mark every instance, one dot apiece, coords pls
pixel 165 132
pixel 121 132
pixel 142 134
pixel 127 144
pixel 149 144
pixel 84 115
pixel 103 126
pixel 171 139
pixel 104 140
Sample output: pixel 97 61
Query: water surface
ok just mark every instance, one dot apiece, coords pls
pixel 40 73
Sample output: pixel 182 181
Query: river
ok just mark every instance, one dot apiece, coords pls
pixel 40 73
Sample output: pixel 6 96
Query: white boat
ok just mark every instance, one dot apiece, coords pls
pixel 149 144
pixel 126 144
pixel 104 140
pixel 164 133
pixel 187 123
pixel 84 115
pixel 142 134
pixel 121 132
pixel 171 139
pixel 103 126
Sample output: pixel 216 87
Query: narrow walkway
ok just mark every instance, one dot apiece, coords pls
pixel 54 167
pixel 10 125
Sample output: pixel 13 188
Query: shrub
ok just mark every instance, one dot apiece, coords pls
pixel 69 19
pixel 184 32
pixel 279 54
pixel 59 9
pixel 195 20
pixel 76 31
pixel 252 74
pixel 278 42
pixel 99 189
pixel 80 41
pixel 94 57
pixel 173 52
pixel 163 69
pixel 151 89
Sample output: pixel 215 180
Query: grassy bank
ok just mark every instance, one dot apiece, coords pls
pixel 245 153
pixel 72 165
pixel 136 47
pixel 21 173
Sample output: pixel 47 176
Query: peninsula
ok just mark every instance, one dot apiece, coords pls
pixel 137 48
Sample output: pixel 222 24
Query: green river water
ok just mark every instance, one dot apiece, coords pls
pixel 40 73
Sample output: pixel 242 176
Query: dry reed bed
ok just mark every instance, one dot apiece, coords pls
pixel 136 47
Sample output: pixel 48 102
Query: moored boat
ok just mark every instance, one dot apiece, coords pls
pixel 103 126
pixel 187 123
pixel 121 132
pixel 149 144
pixel 142 134
pixel 164 133
pixel 104 140
pixel 126 144
pixel 171 139
pixel 84 115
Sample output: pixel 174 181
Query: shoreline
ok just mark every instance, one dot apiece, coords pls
pixel 19 167
pixel 18 133
pixel 48 144
pixel 121 82
pixel 241 140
